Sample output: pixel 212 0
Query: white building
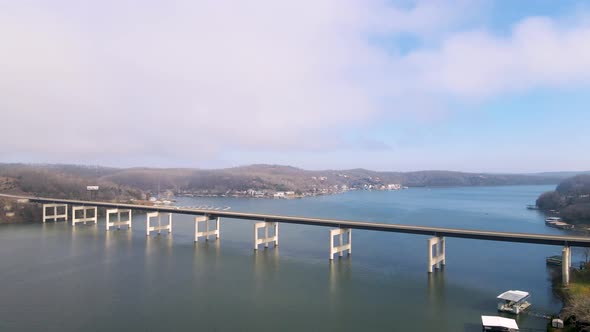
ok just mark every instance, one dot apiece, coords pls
pixel 394 186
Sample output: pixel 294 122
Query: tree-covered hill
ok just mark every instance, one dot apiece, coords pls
pixel 70 181
pixel 53 181
pixel 571 199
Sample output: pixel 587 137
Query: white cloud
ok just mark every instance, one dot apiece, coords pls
pixel 539 52
pixel 134 79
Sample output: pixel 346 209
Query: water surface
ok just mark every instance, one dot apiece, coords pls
pixel 59 278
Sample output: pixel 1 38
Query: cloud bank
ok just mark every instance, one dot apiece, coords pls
pixel 134 81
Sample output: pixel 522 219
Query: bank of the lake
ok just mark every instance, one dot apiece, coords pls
pixel 56 277
pixel 576 298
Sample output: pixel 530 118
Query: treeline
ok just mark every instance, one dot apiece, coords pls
pixel 59 181
pixel 276 177
pixel 571 199
pixel 213 181
pixel 71 180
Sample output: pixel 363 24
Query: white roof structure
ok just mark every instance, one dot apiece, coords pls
pixel 497 321
pixel 513 295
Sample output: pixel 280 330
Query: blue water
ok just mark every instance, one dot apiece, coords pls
pixel 59 278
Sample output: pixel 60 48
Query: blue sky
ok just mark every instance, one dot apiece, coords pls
pixel 494 86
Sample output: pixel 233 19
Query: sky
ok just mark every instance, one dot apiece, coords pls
pixel 467 85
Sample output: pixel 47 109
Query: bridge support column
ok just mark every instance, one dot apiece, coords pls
pixel 160 227
pixel 566 262
pixel 266 239
pixel 118 223
pixel 84 218
pixel 55 216
pixel 436 252
pixel 207 232
pixel 341 247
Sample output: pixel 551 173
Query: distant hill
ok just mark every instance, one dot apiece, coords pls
pixel 70 181
pixel 560 175
pixel 571 199
pixel 283 178
pixel 60 181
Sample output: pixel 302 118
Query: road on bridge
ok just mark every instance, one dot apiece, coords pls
pixel 559 240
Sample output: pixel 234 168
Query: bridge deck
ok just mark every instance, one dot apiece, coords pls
pixel 561 240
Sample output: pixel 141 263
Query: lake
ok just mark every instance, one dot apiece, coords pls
pixel 59 278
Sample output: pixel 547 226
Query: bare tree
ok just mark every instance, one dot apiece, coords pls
pixel 579 306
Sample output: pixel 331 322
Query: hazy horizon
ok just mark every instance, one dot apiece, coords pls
pixel 302 168
pixel 471 86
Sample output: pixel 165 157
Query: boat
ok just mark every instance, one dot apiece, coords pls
pixel 500 324
pixel 557 223
pixel 513 301
pixel 554 260
pixel 532 207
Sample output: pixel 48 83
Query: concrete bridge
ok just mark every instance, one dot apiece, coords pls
pixel 56 209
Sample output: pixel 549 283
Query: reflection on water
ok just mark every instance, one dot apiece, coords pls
pixel 160 245
pixel 340 271
pixel 266 268
pixel 209 246
pixel 339 281
pixel 437 288
pixel 117 238
pixel 266 260
pixel 83 238
pixel 207 253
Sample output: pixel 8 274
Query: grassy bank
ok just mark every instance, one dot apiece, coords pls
pixel 576 299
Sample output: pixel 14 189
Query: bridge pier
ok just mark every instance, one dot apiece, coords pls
pixel 436 252
pixel 341 247
pixel 266 239
pixel 566 263
pixel 160 227
pixel 207 232
pixel 84 217
pixel 119 223
pixel 55 216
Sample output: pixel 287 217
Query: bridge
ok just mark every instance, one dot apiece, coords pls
pixel 436 244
